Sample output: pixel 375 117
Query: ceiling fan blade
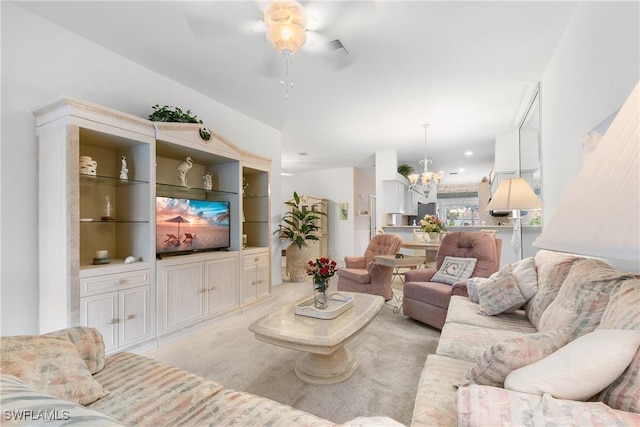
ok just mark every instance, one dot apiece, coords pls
pixel 207 27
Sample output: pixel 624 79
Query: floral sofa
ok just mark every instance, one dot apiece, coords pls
pixel 63 378
pixel 551 340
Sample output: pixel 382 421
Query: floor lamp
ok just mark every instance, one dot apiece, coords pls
pixel 514 194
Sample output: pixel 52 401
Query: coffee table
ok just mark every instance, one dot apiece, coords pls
pixel 327 360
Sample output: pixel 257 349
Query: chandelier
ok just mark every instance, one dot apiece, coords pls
pixel 425 177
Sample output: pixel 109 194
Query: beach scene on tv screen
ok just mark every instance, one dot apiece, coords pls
pixel 190 225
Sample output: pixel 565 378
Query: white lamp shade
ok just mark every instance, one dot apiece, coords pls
pixel 514 194
pixel 599 214
pixel 413 178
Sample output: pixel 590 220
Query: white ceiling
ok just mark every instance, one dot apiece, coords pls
pixel 466 68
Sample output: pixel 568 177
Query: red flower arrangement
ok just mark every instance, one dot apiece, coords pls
pixel 322 269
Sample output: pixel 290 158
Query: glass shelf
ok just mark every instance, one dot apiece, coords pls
pixel 254 196
pixel 110 180
pixel 99 221
pixel 170 190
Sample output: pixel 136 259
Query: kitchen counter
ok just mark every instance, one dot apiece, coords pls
pixel 529 235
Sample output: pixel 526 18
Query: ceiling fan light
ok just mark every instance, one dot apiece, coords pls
pixel 286 24
pixel 286 38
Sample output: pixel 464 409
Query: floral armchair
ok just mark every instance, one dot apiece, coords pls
pixel 362 274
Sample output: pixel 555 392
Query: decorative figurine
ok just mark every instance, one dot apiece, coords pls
pixel 206 180
pixel 123 170
pixel 183 168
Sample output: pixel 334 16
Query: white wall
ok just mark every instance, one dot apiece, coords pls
pixel 41 62
pixel 336 185
pixel 592 72
pixel 364 185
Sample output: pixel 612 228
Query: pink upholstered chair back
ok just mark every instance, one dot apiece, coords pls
pixel 466 244
pixel 382 244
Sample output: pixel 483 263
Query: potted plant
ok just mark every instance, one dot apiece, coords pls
pixel 176 115
pixel 299 224
pixel 405 170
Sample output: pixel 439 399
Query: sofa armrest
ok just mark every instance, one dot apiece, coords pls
pixel 419 275
pixel 355 262
pixel 460 288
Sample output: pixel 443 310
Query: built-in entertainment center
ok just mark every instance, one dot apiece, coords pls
pixel 115 212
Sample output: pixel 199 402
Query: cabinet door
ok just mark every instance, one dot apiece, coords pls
pixel 393 196
pixel 262 279
pixel 249 281
pixel 101 312
pixel 220 279
pixel 181 295
pixel 135 323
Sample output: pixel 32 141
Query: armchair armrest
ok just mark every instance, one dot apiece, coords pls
pixel 355 262
pixel 460 288
pixel 419 275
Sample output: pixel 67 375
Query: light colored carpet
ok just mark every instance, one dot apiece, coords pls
pixel 392 351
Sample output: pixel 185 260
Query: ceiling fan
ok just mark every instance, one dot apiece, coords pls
pixel 289 26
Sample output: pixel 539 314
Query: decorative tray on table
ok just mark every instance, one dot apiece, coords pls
pixel 336 305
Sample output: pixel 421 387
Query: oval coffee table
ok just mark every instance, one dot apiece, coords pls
pixel 327 360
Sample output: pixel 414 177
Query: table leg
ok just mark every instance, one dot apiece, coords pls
pixel 331 368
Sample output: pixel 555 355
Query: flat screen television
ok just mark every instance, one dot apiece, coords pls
pixel 190 225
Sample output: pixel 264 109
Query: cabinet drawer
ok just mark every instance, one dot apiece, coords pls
pixel 255 258
pixel 110 282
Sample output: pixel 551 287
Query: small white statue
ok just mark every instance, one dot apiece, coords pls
pixel 183 168
pixel 207 182
pixel 123 170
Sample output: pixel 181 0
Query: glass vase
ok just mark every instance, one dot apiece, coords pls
pixel 320 293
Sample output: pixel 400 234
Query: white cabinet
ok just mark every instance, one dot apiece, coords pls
pixel 72 219
pixel 412 199
pixel 394 196
pixel 189 292
pixel 119 306
pixel 131 304
pixel 220 274
pixel 255 275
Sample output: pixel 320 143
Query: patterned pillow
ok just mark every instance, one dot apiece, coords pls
pixel 454 269
pixel 500 293
pixel 583 297
pixel 525 272
pixel 50 365
pixel 580 369
pixel 472 288
pixel 506 356
pixel 623 312
pixel 89 343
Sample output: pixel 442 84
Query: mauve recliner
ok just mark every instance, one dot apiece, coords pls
pixel 363 275
pixel 428 301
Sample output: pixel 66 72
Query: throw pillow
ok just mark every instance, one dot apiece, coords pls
pixel 50 365
pixel 506 356
pixel 525 272
pixel 623 312
pixel 500 293
pixel 580 369
pixel 583 297
pixel 454 269
pixel 88 342
pixel 472 288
